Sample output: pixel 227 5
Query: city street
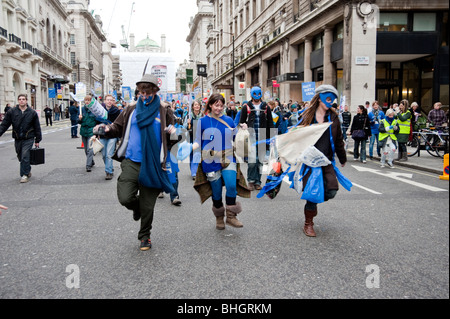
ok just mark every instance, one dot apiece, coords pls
pixel 388 238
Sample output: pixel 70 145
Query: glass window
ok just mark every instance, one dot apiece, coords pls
pixel 393 21
pixel 318 42
pixel 424 22
pixel 338 33
pixel 73 58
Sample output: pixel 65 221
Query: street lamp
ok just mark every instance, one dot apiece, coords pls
pixel 232 65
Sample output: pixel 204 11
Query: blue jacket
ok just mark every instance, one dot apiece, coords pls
pixel 375 121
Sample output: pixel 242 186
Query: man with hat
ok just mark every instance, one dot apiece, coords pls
pixel 145 131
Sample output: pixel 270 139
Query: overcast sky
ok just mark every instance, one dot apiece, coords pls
pixel 169 17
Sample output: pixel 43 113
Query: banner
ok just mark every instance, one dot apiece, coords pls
pixel 98 88
pixel 80 91
pixel 308 91
pixel 126 94
pixel 160 71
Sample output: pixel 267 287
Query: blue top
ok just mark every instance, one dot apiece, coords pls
pixel 134 148
pixel 375 121
pixel 214 135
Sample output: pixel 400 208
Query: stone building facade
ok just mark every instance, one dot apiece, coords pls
pixel 369 49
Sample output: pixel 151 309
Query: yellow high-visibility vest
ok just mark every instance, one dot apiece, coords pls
pixel 405 126
pixel 390 133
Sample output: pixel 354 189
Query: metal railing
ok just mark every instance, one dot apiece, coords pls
pixel 27 46
pixel 4 33
pixel 15 39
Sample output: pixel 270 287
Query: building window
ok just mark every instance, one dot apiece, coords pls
pixel 73 58
pixel 424 22
pixel 338 33
pixel 72 39
pixel 318 42
pixel 393 21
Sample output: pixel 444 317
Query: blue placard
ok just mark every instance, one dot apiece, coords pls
pixel 308 91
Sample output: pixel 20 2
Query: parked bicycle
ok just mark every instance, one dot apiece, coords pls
pixel 435 142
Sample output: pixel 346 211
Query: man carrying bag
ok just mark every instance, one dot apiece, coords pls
pixel 26 130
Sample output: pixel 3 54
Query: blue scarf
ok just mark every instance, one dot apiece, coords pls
pixel 389 120
pixel 151 174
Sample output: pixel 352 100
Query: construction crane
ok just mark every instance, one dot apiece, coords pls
pixel 124 41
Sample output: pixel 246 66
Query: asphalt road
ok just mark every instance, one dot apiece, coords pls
pixel 388 238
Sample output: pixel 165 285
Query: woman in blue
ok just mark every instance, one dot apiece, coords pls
pixel 331 143
pixel 215 135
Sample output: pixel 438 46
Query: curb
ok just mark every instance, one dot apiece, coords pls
pixel 408 165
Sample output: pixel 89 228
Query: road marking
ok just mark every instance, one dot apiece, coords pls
pixel 398 177
pixel 367 189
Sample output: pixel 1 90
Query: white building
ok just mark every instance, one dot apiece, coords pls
pixel 19 53
pixel 198 35
pixel 385 50
pixel 134 61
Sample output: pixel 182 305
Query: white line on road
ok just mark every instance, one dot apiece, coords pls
pixel 367 189
pixel 398 177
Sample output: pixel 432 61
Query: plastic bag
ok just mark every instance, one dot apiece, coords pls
pixel 315 189
pixel 344 181
pixel 241 143
pixel 184 150
pixel 314 158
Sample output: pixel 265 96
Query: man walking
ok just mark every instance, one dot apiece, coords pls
pixel 109 143
pixel 48 115
pixel 346 121
pixel 74 112
pixel 26 130
pixel 257 117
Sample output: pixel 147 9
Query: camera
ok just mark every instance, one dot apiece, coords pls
pixel 100 131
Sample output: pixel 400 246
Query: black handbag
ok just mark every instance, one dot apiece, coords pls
pixel 37 156
pixel 359 135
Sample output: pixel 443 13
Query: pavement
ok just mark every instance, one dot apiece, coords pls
pixel 424 162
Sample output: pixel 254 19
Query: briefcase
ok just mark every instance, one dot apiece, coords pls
pixel 37 156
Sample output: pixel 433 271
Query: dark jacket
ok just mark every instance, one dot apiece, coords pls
pixel 361 122
pixel 346 119
pixel 87 122
pixel 113 113
pixel 120 126
pixel 265 118
pixel 74 113
pixel 324 145
pixel 25 125
pixel 48 112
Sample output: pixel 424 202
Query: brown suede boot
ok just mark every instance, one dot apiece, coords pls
pixel 308 228
pixel 220 214
pixel 232 211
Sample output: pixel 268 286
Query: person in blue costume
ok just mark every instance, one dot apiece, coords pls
pixel 146 134
pixel 218 167
pixel 331 143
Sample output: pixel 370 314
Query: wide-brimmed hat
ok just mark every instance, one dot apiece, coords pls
pixel 149 78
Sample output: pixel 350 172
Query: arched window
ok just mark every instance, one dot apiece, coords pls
pixel 60 43
pixel 55 40
pixel 49 34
